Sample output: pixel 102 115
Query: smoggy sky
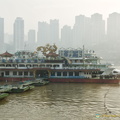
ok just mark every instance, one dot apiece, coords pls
pixel 33 11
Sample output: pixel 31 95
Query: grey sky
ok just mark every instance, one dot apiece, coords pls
pixel 33 11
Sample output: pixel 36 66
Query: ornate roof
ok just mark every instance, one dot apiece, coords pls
pixel 6 54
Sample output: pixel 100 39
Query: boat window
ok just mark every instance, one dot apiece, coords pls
pixel 42 65
pixel 31 73
pixel 6 72
pixel 29 61
pixel 57 65
pixel 87 73
pixel 25 73
pixel 14 65
pixel 64 73
pixel 52 73
pixel 3 60
pixel 48 65
pixel 20 73
pixel 70 73
pixel 35 65
pixel 76 73
pixel 21 65
pixel 14 72
pixel 54 66
pixel 2 65
pixel 8 65
pixel 35 61
pixel 58 73
pixel 28 65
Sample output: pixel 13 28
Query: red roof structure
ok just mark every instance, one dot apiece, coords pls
pixel 6 54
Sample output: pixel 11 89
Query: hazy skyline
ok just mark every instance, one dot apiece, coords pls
pixel 33 11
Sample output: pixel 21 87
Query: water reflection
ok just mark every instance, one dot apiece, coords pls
pixel 62 102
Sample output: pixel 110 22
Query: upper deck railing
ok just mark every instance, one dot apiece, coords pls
pixel 31 61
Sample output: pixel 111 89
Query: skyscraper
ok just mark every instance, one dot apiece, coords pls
pixel 66 36
pixel 97 29
pixel 113 28
pixel 19 34
pixel 43 33
pixel 1 34
pixel 54 31
pixel 31 39
pixel 81 30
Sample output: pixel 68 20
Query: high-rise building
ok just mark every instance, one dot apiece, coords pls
pixel 1 35
pixel 43 33
pixel 113 28
pixel 19 34
pixel 54 31
pixel 66 36
pixel 81 30
pixel 97 29
pixel 31 39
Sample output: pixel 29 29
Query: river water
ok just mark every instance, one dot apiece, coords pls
pixel 64 101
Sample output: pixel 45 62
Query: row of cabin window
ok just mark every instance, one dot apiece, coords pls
pixel 19 73
pixel 66 73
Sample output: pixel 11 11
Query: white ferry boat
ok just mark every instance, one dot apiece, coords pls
pixel 69 65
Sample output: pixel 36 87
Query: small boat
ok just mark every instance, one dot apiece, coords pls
pixel 27 83
pixel 40 82
pixel 5 88
pixel 37 82
pixel 3 95
pixel 19 89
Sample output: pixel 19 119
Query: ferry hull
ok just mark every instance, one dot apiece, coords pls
pixel 65 80
pixel 74 80
pixel 14 79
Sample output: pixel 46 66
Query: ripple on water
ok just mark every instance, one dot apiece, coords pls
pixel 62 102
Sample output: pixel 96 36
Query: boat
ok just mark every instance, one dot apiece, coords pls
pixel 68 65
pixel 40 82
pixel 36 82
pixel 28 83
pixel 19 89
pixel 3 95
pixel 5 88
